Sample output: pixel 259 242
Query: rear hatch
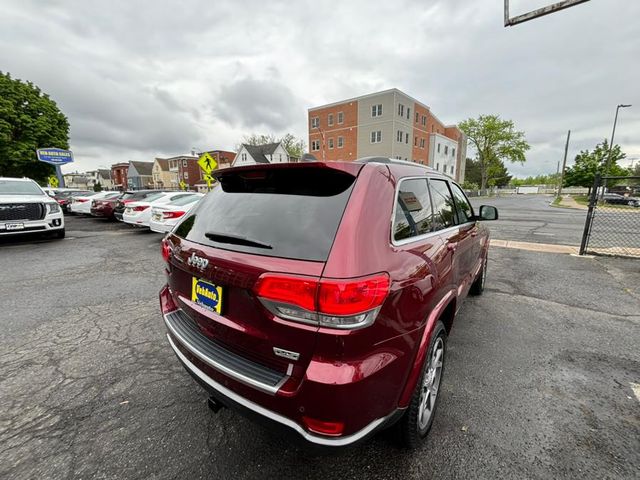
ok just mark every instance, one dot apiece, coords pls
pixel 276 219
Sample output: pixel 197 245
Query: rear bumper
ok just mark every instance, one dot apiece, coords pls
pixel 268 417
pixel 160 227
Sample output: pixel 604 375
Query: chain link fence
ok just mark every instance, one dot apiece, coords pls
pixel 612 226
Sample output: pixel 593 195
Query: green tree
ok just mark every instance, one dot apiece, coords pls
pixel 497 174
pixel 589 163
pixel 29 120
pixel 97 187
pixel 294 146
pixel 495 140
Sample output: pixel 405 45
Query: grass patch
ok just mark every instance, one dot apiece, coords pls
pixel 581 199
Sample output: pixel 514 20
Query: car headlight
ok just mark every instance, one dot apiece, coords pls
pixel 53 207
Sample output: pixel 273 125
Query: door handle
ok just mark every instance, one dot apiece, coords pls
pixel 451 246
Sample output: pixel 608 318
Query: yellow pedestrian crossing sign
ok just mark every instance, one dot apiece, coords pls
pixel 183 185
pixel 209 179
pixel 207 163
pixel 53 181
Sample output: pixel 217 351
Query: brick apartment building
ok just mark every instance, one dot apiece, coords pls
pixel 185 167
pixel 390 124
pixel 119 175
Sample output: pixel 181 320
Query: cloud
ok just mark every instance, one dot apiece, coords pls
pixel 143 79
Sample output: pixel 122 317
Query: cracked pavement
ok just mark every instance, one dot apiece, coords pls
pixel 538 383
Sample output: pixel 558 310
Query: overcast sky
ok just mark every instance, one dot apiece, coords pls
pixel 140 79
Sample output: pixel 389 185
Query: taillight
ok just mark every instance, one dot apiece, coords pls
pixel 334 303
pixel 140 208
pixel 323 427
pixel 166 250
pixel 167 215
pixel 167 305
pixel 81 200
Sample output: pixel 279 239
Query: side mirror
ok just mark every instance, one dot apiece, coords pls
pixel 487 212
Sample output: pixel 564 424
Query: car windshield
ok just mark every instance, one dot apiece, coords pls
pixel 17 187
pixel 185 200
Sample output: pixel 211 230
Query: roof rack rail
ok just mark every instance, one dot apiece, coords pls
pixel 393 160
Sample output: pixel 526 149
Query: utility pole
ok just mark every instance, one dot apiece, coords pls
pixel 564 163
pixel 613 134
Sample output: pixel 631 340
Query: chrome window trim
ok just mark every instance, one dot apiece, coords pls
pixel 335 442
pixel 424 236
pixel 271 390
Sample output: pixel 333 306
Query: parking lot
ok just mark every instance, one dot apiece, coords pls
pixel 542 378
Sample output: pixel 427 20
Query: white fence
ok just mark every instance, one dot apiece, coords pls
pixel 527 189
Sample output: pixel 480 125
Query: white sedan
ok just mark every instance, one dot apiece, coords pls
pixel 165 217
pixel 79 202
pixel 139 213
pixel 82 203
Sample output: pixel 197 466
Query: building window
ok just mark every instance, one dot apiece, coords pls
pixel 424 119
pixel 376 110
pixel 451 169
pixel 432 127
pixel 401 110
pixel 446 149
pixel 315 145
pixel 315 122
pixel 422 143
pixel 184 163
pixel 453 152
pixel 280 157
pixel 331 143
pixel 340 118
pixel 417 117
pixel 186 175
pixel 376 136
pixel 399 136
pixel 437 166
pixel 406 138
pixel 330 120
pixel 244 157
pixel 415 141
pixel 408 113
pixel 340 142
pixel 438 148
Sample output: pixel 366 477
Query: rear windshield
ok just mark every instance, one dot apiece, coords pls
pixel 289 213
pixel 185 200
pixel 150 197
pixel 13 187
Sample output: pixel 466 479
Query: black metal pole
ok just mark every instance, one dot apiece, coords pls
pixel 564 163
pixel 593 200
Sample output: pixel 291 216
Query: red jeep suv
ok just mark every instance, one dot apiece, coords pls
pixel 318 295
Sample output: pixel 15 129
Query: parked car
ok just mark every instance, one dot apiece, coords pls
pixel 138 213
pixel 616 199
pixel 127 197
pixel 77 204
pixel 64 197
pixel 318 296
pixel 26 208
pixel 83 204
pixel 104 207
pixel 165 217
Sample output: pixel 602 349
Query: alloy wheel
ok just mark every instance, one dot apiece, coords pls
pixel 431 384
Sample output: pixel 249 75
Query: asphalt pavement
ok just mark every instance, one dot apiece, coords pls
pixel 539 380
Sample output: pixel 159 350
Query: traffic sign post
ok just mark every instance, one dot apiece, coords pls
pixel 55 157
pixel 208 164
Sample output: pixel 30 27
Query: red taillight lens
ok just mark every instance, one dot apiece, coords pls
pixel 322 427
pixel 81 200
pixel 166 250
pixel 140 208
pixel 167 215
pixel 351 297
pixel 292 290
pixel 334 303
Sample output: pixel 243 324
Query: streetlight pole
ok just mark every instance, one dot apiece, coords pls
pixel 613 133
pixel 564 164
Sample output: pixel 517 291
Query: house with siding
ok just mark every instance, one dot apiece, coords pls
pixel 163 176
pixel 255 154
pixel 140 175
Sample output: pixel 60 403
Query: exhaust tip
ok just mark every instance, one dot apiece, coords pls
pixel 214 405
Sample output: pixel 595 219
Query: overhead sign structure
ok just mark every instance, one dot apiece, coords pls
pixel 208 164
pixel 57 157
pixel 54 156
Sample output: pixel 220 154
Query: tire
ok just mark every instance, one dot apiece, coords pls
pixel 417 420
pixel 59 234
pixel 477 287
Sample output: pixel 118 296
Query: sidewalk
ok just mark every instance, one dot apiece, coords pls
pixel 567 201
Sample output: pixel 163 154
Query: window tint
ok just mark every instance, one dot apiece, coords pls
pixel 444 212
pixel 289 213
pixel 413 210
pixel 465 212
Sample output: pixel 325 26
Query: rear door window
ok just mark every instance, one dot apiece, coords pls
pixel 444 210
pixel 280 212
pixel 413 215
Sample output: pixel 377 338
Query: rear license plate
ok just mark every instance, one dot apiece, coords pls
pixel 156 217
pixel 207 295
pixel 14 226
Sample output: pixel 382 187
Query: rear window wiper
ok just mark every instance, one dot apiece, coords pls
pixel 236 240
